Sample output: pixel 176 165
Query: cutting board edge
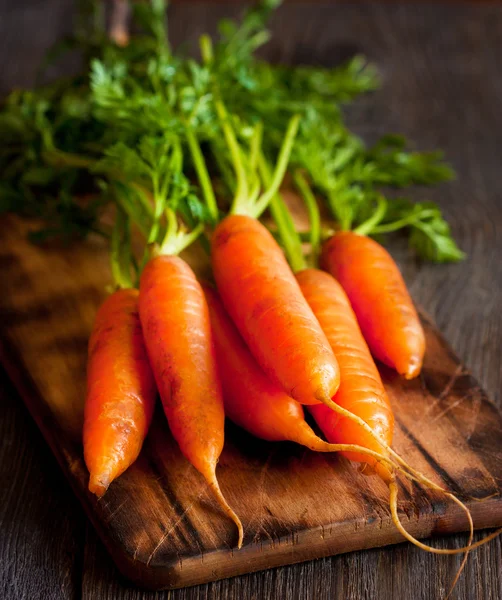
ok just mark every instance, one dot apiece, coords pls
pixel 343 539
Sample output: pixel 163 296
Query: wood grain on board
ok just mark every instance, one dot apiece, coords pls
pixel 441 86
pixel 159 521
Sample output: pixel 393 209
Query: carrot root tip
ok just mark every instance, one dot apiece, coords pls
pixel 413 368
pixel 98 486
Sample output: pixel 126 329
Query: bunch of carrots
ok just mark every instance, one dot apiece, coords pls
pixel 262 345
pixel 266 341
pixel 187 158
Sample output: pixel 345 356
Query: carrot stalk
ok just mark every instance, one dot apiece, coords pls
pixel 120 391
pixel 313 214
pixel 202 173
pixel 285 225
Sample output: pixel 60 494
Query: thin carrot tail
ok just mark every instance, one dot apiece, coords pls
pixel 470 545
pixel 415 475
pixel 401 465
pixel 393 491
pixel 384 466
pixel 380 469
pixel 215 487
pixel 397 461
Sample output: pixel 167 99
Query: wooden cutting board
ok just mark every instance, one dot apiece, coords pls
pixel 159 522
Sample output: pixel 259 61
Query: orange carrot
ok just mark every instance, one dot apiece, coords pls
pixel 362 414
pixel 120 391
pixel 252 400
pixel 264 300
pixel 361 390
pixel 379 297
pixel 178 339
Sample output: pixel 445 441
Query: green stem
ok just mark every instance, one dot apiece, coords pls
pixel 175 166
pixel 280 168
pixel 59 159
pixel 370 224
pixel 313 212
pixel 255 145
pixel 121 250
pixel 206 49
pixel 240 202
pixel 158 210
pixel 143 211
pixel 227 175
pixel 130 199
pixel 189 238
pixel 172 224
pixel 175 245
pixel 339 212
pixel 176 240
pixel 285 225
pixel 202 174
pixel 396 225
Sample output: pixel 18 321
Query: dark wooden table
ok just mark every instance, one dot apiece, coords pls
pixel 442 71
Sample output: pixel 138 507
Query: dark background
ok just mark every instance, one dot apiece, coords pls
pixel 442 71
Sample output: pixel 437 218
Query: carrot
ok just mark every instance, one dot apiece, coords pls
pixel 255 286
pixel 254 279
pixel 178 339
pixel 172 307
pixel 379 297
pixel 361 390
pixel 120 391
pixel 251 399
pixel 264 300
pixel 360 413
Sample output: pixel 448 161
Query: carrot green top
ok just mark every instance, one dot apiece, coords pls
pixel 136 117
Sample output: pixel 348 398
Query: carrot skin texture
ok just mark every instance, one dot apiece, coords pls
pixel 264 300
pixel 361 389
pixel 380 299
pixel 252 401
pixel 178 338
pixel 121 391
pixel 177 334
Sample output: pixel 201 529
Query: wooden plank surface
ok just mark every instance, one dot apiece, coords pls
pixel 159 520
pixel 441 87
